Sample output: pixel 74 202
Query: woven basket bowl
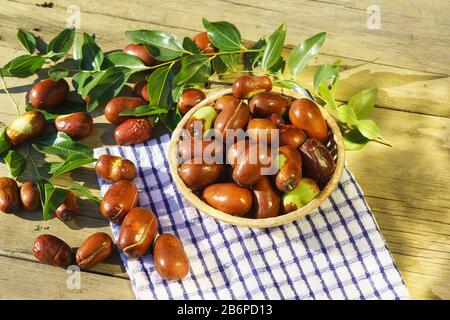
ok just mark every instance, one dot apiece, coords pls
pixel 334 143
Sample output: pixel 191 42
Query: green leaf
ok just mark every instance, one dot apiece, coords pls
pixel 159 86
pixel 354 140
pixel 304 52
pixel 162 45
pixel 122 59
pixel 230 60
pixel 327 95
pixel 91 54
pixel 51 197
pixel 107 87
pixel 4 144
pixel 68 107
pixel 57 74
pixel 177 91
pixel 275 43
pixel 27 40
pixel 325 72
pixel 288 84
pixel 368 129
pixel 85 81
pixel 62 145
pixel 146 110
pixel 251 58
pixel 16 162
pixel 23 66
pixel 347 115
pixel 72 162
pixel 194 70
pixel 223 35
pixel 363 102
pixel 190 46
pixel 61 44
pixel 171 119
pixel 82 190
pixel 278 67
pixel 218 65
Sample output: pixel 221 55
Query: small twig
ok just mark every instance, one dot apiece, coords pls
pixel 9 94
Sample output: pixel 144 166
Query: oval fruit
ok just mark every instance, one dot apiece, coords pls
pixel 94 250
pixel 170 259
pixel 232 118
pixel 201 121
pixel 245 87
pixel 263 104
pixel 266 201
pixel 305 114
pixel 29 196
pixel 291 136
pixel 197 174
pixel 290 169
pixel 133 131
pixel 26 127
pixel 118 104
pixel 112 168
pixel 47 94
pixel 139 229
pixel 203 43
pixel 78 125
pixel 52 250
pixel 120 198
pixel 140 90
pixel 318 162
pixel 189 99
pixel 68 209
pixel 9 195
pixel 306 190
pixel 140 51
pixel 261 130
pixel 229 198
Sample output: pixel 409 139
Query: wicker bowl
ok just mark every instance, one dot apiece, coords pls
pixel 334 143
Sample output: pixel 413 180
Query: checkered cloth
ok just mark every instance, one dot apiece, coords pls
pixel 336 252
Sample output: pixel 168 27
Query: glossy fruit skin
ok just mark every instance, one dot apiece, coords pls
pixel 26 127
pixel 120 198
pixel 318 164
pixel 78 125
pixel 290 171
pixel 291 136
pixel 133 131
pixel 305 114
pixel 203 43
pixel 140 90
pixel 197 174
pixel 306 190
pixel 276 118
pixel 201 121
pixel 68 209
pixel 139 229
pixel 140 51
pixel 266 201
pixel 245 87
pixel 232 118
pixel 225 102
pixel 189 99
pixel 263 104
pixel 189 148
pixel 53 251
pixel 229 198
pixel 29 196
pixel 170 259
pixel 94 250
pixel 261 129
pixel 47 93
pixel 9 195
pixel 112 168
pixel 118 104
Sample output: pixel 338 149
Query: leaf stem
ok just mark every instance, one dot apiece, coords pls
pixel 9 94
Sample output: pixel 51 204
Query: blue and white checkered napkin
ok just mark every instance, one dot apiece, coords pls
pixel 337 252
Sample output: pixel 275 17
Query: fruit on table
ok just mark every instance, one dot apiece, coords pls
pixel 118 104
pixel 245 87
pixel 266 201
pixel 306 190
pixel 120 198
pixel 305 114
pixel 47 94
pixel 68 209
pixel 78 125
pixel 290 168
pixel 140 51
pixel 137 233
pixel 291 136
pixel 229 198
pixel 261 130
pixel 94 250
pixel 264 104
pixel 189 99
pixel 133 131
pixel 169 257
pixel 52 250
pixel 318 163
pixel 197 174
pixel 203 43
pixel 232 118
pixel 29 196
pixel 201 121
pixel 112 168
pixel 9 195
pixel 140 90
pixel 26 127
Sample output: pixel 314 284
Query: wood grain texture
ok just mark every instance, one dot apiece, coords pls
pixel 406 186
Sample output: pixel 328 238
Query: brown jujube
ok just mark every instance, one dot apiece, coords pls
pixel 94 250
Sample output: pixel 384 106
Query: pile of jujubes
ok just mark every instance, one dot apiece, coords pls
pixel 238 186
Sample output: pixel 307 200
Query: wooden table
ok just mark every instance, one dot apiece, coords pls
pixel 407 186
